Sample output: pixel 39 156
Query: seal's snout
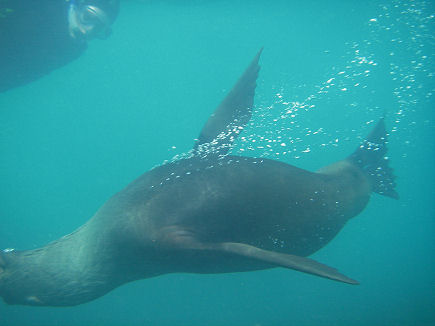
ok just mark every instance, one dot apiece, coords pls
pixel 2 270
pixel 4 260
pixel 2 263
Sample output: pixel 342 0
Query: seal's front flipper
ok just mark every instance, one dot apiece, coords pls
pixel 235 111
pixel 302 264
pixel 175 237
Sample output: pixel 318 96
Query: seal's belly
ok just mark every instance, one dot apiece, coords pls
pixel 290 224
pixel 267 204
pixel 287 210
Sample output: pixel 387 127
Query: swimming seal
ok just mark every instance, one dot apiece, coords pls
pixel 210 212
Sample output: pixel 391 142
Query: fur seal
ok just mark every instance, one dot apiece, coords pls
pixel 211 212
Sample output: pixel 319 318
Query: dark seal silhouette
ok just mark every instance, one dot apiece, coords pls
pixel 208 213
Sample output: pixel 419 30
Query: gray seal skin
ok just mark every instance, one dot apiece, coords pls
pixel 211 212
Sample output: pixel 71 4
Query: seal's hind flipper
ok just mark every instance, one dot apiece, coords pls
pixel 371 158
pixel 302 264
pixel 234 112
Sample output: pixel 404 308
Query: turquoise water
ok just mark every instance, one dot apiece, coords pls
pixel 329 69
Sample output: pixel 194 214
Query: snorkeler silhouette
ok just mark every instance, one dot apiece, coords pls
pixel 37 37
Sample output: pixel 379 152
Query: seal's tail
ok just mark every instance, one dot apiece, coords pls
pixel 371 157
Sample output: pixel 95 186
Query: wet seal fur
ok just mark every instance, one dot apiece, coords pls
pixel 209 213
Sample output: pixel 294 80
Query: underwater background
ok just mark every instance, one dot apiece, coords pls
pixel 330 70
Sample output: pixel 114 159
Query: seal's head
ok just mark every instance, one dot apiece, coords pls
pixel 2 264
pixel 92 18
pixel 9 274
pixel 3 273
